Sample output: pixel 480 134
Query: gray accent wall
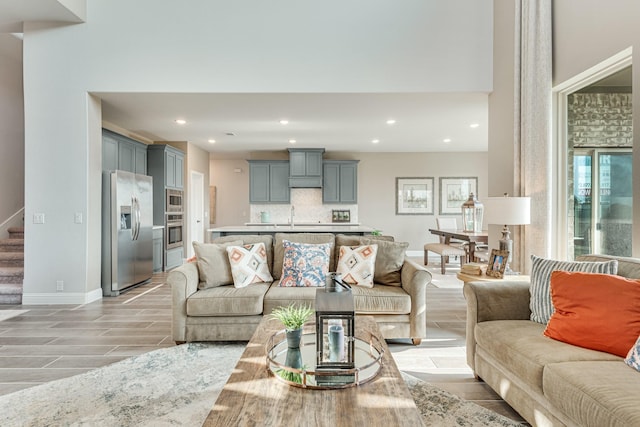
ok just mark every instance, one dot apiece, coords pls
pixel 11 127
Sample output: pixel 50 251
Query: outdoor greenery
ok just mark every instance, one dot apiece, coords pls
pixel 292 316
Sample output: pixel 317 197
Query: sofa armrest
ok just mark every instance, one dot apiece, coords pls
pixel 415 279
pixel 486 301
pixel 184 283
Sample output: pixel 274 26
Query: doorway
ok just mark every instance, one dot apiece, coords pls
pixel 599 149
pixel 196 211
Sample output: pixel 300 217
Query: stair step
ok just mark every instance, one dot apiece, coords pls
pixel 10 293
pixel 12 245
pixel 11 275
pixel 16 232
pixel 11 259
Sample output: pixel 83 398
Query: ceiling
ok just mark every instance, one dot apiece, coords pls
pixel 334 121
pixel 13 13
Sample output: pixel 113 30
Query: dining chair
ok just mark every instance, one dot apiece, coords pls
pixel 444 249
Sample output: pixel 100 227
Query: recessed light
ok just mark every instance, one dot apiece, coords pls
pixel 292 141
pixel 474 125
pixel 391 122
pixel 375 141
pixel 284 122
pixel 446 140
pixel 181 121
pixel 212 141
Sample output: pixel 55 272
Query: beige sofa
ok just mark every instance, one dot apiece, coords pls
pixel 548 382
pixel 226 313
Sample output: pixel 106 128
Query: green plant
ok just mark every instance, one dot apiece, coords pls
pixel 376 233
pixel 292 316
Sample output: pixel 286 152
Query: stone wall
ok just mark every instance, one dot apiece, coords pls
pixel 599 120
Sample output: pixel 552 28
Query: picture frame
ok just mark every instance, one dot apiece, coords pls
pixel 497 263
pixel 454 191
pixel 414 196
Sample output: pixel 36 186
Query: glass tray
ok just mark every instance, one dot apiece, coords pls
pixel 368 361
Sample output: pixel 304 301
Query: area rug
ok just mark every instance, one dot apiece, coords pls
pixel 8 314
pixel 177 386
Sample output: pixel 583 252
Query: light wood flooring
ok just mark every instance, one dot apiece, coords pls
pixel 51 342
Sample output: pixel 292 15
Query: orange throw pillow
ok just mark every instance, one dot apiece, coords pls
pixel 596 311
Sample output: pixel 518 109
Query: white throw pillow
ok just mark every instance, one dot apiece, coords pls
pixel 249 264
pixel 357 264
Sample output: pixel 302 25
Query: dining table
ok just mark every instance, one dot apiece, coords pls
pixel 473 238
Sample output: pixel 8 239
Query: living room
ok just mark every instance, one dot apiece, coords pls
pixel 585 34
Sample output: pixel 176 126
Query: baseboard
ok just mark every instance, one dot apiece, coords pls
pixel 58 298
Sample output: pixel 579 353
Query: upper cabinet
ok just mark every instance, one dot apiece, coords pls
pixel 340 181
pixel 305 167
pixel 122 153
pixel 166 163
pixel 269 181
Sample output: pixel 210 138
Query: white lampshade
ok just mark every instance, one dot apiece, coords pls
pixel 507 210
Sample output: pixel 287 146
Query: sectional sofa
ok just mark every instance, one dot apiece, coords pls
pixel 549 382
pixel 397 300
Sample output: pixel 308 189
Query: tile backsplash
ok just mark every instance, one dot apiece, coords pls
pixel 308 208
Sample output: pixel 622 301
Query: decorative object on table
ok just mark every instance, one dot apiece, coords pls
pixel 508 211
pixel 335 331
pixel 497 263
pixel 454 191
pixel 265 217
pixel 473 268
pixel 414 196
pixel 472 213
pixel 292 318
pixel 340 215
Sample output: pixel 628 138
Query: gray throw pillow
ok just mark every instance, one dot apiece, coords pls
pixel 355 240
pixel 541 268
pixel 213 263
pixel 250 239
pixel 389 260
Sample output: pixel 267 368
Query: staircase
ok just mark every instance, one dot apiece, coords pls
pixel 12 266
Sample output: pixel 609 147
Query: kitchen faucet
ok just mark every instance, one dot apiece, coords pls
pixel 293 210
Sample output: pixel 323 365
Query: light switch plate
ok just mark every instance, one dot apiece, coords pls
pixel 38 218
pixel 78 218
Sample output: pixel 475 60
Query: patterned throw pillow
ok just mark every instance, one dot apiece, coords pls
pixel 249 264
pixel 540 302
pixel 633 357
pixel 357 264
pixel 304 264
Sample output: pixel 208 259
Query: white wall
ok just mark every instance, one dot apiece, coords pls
pixel 210 46
pixel 377 173
pixel 11 127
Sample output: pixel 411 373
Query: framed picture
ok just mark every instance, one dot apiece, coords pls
pixel 414 196
pixel 454 191
pixel 497 263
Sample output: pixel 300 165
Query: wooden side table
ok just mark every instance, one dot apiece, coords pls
pixel 484 278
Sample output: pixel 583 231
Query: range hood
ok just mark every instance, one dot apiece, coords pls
pixel 305 167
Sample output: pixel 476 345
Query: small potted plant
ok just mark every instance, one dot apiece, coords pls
pixel 293 317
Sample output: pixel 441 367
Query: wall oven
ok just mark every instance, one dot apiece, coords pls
pixel 173 231
pixel 175 201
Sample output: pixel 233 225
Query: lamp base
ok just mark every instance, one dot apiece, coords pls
pixel 506 244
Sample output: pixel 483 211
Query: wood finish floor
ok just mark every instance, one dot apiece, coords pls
pixel 51 342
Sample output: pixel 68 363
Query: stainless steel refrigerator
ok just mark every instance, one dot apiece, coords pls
pixel 127 224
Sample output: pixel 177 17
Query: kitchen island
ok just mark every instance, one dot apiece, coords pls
pixel 336 228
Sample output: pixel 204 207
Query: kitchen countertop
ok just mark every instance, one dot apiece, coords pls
pixel 301 228
pixel 302 224
pixel 157 227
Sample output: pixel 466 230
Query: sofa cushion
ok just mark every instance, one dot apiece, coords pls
pixel 540 303
pixel 380 299
pixel 356 264
pixel 627 267
pixel 633 357
pixel 213 263
pixel 596 311
pixel 389 260
pixel 249 264
pixel 602 393
pixel 305 264
pixel 228 301
pixel 315 238
pixel 521 348
pixel 250 239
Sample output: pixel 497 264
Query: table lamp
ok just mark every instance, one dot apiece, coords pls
pixel 508 211
pixel 472 211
